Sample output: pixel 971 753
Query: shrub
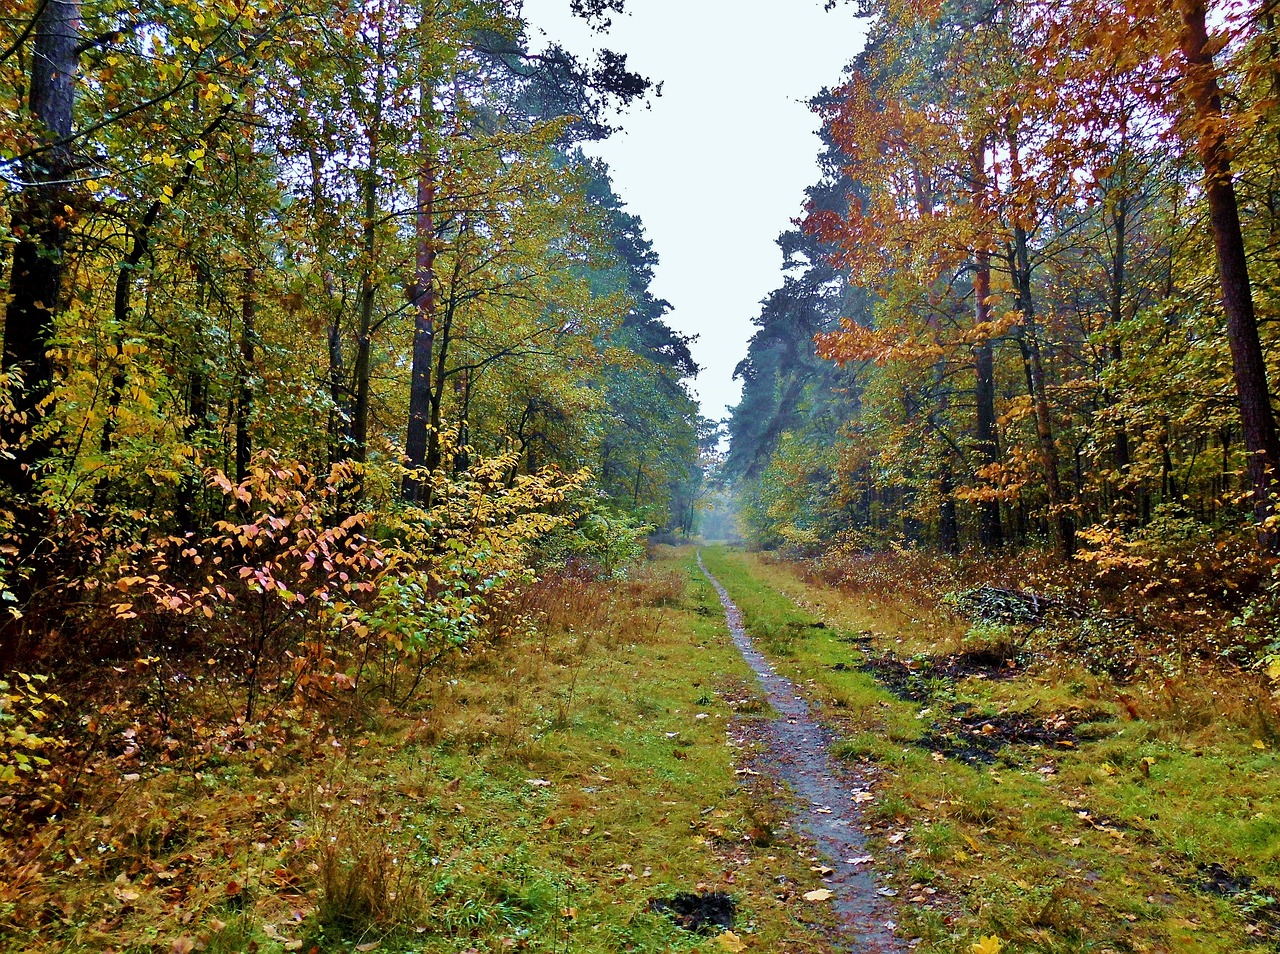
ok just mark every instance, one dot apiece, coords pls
pixel 28 777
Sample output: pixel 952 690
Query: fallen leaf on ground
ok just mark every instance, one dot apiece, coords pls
pixel 988 945
pixel 818 894
pixel 731 942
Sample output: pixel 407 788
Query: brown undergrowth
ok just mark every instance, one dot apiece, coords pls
pixel 536 794
pixel 1185 630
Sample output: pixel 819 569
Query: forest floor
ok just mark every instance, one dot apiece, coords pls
pixel 601 778
pixel 1030 802
pixel 793 748
pixel 574 786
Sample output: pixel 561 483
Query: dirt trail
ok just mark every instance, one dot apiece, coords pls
pixel 796 750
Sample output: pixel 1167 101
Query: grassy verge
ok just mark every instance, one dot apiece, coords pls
pixel 538 799
pixel 1109 832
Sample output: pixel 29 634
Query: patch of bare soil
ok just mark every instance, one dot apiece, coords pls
pixel 921 678
pixel 1259 908
pixel 963 735
pixel 704 912
pixel 979 738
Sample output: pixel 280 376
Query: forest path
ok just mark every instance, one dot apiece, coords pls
pixel 795 749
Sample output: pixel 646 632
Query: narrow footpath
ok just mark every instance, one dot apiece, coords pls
pixel 797 752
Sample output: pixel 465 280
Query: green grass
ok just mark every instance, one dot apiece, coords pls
pixel 537 799
pixel 431 830
pixel 1094 847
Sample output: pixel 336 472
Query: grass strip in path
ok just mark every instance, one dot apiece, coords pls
pixel 796 750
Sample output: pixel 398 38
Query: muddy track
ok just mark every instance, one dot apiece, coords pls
pixel 795 749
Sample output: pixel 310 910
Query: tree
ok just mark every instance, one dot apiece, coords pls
pixel 41 224
pixel 1248 362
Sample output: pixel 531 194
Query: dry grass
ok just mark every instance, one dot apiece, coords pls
pixel 531 798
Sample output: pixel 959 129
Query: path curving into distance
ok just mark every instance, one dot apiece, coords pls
pixel 797 751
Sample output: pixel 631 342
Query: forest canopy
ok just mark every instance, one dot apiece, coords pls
pixel 320 330
pixel 1031 297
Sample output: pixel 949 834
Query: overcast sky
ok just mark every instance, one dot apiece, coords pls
pixel 717 167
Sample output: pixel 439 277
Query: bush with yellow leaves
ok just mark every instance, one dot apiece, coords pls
pixel 27 780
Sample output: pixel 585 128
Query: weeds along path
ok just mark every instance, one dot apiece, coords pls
pixel 797 751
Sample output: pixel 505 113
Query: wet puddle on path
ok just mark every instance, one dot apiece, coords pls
pixel 797 752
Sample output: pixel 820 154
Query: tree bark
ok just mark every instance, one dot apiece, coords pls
pixel 990 531
pixel 1257 418
pixel 42 223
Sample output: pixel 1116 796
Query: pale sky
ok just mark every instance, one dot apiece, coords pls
pixel 717 167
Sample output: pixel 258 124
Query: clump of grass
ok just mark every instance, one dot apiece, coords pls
pixel 995 643
pixel 365 887
pixel 368 883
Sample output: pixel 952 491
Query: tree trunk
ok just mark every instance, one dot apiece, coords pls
pixel 1060 528
pixel 41 225
pixel 248 360
pixel 368 286
pixel 1123 456
pixel 197 421
pixel 248 331
pixel 442 340
pixel 1258 426
pixel 990 531
pixel 948 521
pixel 424 295
pixel 339 394
pixel 364 329
pixel 1059 522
